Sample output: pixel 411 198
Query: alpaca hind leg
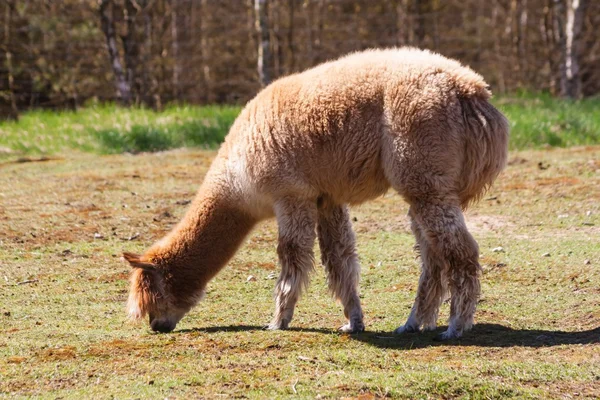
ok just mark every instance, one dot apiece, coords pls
pixel 432 285
pixel 296 220
pixel 337 243
pixel 444 228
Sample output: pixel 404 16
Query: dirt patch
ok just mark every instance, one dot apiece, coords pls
pixel 269 266
pixel 557 181
pixel 487 223
pixel 110 278
pixel 115 347
pixel 404 287
pixel 16 360
pixel 576 389
pixel 368 224
pixel 58 354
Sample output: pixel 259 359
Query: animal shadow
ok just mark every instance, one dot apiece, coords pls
pixel 482 335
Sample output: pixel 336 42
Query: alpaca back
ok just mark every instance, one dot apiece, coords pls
pixel 324 130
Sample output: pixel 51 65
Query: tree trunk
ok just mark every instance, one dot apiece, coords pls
pixel 275 37
pixel 420 11
pixel 309 33
pixel 512 33
pixel 148 86
pixel 548 34
pixel 402 22
pixel 14 111
pixel 570 82
pixel 290 40
pixel 497 50
pixel 522 40
pixel 175 49
pixel 318 43
pixel 108 27
pixel 435 12
pixel 131 48
pixel 205 52
pixel 262 28
pixel 479 28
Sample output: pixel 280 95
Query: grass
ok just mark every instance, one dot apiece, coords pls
pixel 64 223
pixel 542 120
pixel 536 121
pixel 109 129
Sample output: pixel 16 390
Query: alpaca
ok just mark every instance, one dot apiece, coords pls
pixel 311 144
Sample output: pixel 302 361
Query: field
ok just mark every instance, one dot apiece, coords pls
pixel 65 219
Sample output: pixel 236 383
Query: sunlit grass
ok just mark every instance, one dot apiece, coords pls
pixel 108 129
pixel 542 120
pixel 536 121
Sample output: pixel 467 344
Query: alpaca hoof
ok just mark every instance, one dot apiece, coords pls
pixel 429 328
pixel 357 327
pixel 448 335
pixel 406 329
pixel 278 325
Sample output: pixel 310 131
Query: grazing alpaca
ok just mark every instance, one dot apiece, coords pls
pixel 309 145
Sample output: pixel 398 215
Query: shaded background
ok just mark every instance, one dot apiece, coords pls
pixel 61 54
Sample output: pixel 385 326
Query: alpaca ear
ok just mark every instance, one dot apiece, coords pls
pixel 135 260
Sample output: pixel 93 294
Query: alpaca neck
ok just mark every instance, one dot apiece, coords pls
pixel 203 241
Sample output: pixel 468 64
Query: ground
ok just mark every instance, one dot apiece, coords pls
pixel 64 223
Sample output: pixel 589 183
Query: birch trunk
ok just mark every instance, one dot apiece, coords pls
pixel 290 40
pixel 108 27
pixel 262 28
pixel 131 48
pixel 497 49
pixel 205 52
pixel 309 33
pixel 522 40
pixel 175 49
pixel 14 112
pixel 571 43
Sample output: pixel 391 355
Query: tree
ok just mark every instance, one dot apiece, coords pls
pixel 570 27
pixel 263 55
pixel 14 112
pixel 57 54
pixel 108 27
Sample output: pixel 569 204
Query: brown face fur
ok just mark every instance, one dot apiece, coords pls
pixel 310 144
pixel 170 278
pixel 150 294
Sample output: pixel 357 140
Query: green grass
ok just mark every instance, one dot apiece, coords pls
pixel 536 121
pixel 108 129
pixel 542 120
pixel 64 334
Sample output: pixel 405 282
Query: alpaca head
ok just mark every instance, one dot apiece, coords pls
pixel 151 294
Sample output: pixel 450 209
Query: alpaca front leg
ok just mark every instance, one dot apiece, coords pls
pixel 296 220
pixel 337 243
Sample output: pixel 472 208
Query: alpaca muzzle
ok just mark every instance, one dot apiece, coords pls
pixel 161 325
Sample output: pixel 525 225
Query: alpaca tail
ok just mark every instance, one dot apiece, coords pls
pixel 486 147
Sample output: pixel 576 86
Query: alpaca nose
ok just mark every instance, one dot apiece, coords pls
pixel 162 326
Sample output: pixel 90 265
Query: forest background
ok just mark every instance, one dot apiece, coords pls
pixel 64 54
